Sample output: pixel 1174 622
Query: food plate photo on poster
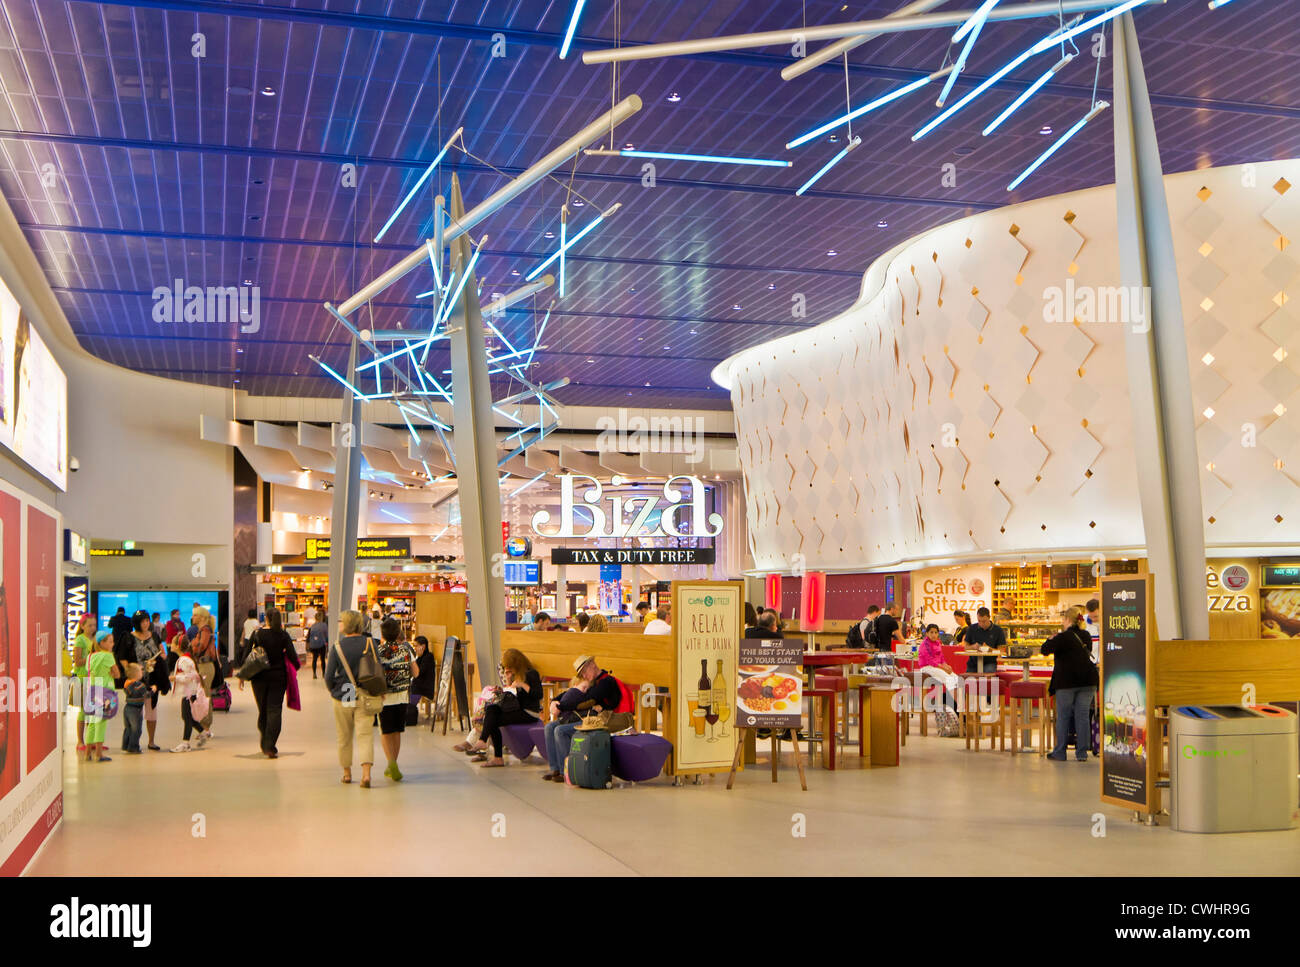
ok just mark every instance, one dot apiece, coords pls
pixel 769 690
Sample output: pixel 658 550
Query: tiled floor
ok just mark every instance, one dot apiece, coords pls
pixel 944 811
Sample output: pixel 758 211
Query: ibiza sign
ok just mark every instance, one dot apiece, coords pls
pixel 662 514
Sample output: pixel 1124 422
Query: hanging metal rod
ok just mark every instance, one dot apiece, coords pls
pixel 814 60
pixel 887 25
pixel 623 110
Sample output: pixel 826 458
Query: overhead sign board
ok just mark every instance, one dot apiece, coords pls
pixel 632 555
pixel 117 552
pixel 368 548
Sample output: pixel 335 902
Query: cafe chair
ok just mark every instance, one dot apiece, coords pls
pixel 826 738
pixel 1035 693
pixel 837 681
pixel 977 697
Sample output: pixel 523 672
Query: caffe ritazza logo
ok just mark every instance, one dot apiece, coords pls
pixel 1123 596
pixel 708 601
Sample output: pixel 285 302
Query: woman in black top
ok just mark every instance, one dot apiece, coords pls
pixel 520 704
pixel 962 619
pixel 270 683
pixel 425 682
pixel 1074 683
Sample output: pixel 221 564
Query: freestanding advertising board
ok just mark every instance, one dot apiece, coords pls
pixel 707 623
pixel 1128 636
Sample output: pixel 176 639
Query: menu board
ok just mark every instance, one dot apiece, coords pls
pixel 707 623
pixel 769 692
pixel 1126 641
pixel 33 396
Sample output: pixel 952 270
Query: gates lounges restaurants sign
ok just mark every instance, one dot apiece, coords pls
pixel 631 516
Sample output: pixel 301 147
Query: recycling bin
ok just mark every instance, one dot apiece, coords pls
pixel 1233 768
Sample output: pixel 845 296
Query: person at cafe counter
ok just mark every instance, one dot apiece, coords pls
pixel 1074 683
pixel 765 628
pixel 887 628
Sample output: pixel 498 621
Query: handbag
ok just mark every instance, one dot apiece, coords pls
pixel 370 671
pixel 254 664
pixel 200 706
pixel 358 689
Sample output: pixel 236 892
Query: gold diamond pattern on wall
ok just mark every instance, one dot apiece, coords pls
pixel 889 420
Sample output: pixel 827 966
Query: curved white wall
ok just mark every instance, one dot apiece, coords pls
pixel 943 418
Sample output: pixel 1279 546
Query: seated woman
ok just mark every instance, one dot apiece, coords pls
pixel 598 624
pixel 520 704
pixel 595 690
pixel 425 684
pixel 931 662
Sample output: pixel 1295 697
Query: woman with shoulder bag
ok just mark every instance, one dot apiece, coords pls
pixel 354 708
pixel 204 653
pixel 270 683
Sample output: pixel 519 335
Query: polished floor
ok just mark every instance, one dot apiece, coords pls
pixel 228 810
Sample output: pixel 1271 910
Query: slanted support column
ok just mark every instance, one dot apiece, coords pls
pixel 347 496
pixel 477 482
pixel 1164 424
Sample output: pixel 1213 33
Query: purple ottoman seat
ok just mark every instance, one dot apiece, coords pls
pixel 639 757
pixel 518 739
pixel 537 733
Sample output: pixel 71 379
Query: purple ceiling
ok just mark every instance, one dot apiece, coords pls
pixel 167 166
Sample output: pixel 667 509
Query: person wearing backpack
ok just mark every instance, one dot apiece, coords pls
pixel 859 637
pixel 603 693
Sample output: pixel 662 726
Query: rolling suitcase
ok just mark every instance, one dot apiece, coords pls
pixel 588 764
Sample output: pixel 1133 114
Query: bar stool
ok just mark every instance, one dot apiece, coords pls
pixel 838 683
pixel 1034 692
pixel 975 688
pixel 827 736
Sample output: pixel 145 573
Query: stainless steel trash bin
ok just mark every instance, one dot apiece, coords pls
pixel 1233 769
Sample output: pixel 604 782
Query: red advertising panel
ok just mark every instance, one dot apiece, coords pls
pixel 812 601
pixel 42 705
pixel 11 703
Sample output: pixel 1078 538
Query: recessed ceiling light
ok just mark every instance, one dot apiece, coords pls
pixel 831 252
pixel 248 282
pixel 268 92
pixel 674 97
pixel 771 285
pixel 883 223
pixel 1045 129
pixel 668 347
pixel 514 271
pixel 647 384
pixel 640 338
pixel 834 139
pixel 549 235
pixel 631 288
pixel 736 306
pixel 578 203
pixel 590 360
pixel 692 332
pixel 238 350
pixel 628 146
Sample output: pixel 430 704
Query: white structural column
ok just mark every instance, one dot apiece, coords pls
pixel 477 482
pixel 561 590
pixel 1164 424
pixel 347 496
